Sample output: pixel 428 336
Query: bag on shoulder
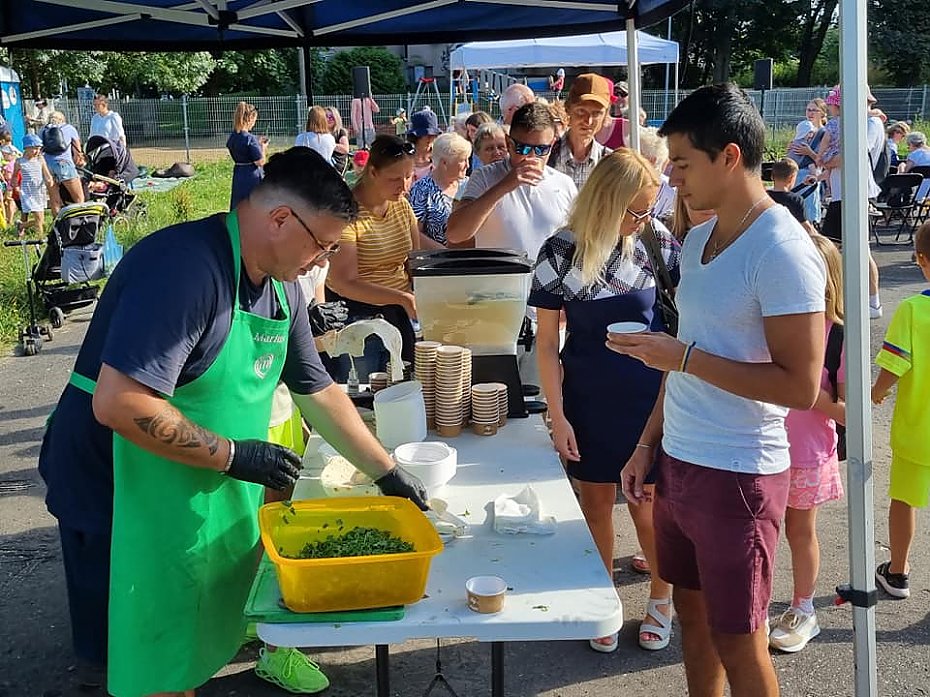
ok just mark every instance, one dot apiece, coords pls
pixel 665 287
pixel 53 140
pixel 832 361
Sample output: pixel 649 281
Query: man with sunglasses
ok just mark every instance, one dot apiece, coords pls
pixel 155 458
pixel 518 202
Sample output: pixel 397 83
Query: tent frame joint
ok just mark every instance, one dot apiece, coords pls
pixel 225 19
pixel 858 598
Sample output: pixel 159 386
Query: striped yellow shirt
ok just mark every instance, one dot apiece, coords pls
pixel 382 244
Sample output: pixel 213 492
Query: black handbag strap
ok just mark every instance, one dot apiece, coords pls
pixel 663 278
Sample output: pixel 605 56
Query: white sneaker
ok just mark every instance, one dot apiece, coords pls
pixel 875 312
pixel 793 630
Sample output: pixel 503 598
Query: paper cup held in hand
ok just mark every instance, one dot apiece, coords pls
pixel 626 328
pixel 486 593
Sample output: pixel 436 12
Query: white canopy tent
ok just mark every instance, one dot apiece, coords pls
pixel 586 49
pixel 632 47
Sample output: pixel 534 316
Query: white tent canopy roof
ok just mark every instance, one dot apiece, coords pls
pixel 586 49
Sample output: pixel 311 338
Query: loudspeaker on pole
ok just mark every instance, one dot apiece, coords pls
pixel 763 74
pixel 361 81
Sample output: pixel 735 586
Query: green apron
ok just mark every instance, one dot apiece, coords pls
pixel 185 540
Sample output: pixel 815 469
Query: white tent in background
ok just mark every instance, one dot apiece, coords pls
pixel 587 49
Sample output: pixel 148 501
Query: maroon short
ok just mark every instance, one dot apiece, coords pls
pixel 717 531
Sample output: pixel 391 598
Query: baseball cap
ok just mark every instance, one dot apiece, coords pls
pixel 360 158
pixel 424 123
pixel 590 87
pixel 621 89
pixel 31 140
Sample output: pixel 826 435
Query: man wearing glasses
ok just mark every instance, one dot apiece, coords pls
pixel 155 457
pixel 518 202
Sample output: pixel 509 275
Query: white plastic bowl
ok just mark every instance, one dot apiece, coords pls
pixel 433 463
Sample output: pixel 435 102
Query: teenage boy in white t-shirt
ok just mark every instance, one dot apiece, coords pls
pixel 749 347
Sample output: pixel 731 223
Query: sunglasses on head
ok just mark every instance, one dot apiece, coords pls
pixel 527 148
pixel 394 149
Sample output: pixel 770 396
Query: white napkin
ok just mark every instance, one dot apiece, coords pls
pixel 522 514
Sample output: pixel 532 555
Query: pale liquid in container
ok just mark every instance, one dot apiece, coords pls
pixel 488 326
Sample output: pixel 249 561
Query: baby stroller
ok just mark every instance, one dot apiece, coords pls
pixel 108 174
pixel 71 260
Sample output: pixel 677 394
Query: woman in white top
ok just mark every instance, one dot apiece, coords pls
pixel 317 136
pixel 107 123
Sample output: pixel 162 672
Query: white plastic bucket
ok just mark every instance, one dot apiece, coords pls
pixel 400 414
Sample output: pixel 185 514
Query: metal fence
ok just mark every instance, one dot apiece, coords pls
pixel 161 131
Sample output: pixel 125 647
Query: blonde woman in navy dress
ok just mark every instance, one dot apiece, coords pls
pixel 596 269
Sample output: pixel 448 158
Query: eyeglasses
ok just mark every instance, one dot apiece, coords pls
pixel 325 251
pixel 639 217
pixel 527 148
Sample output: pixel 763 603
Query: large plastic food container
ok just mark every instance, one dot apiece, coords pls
pixel 353 583
pixel 471 297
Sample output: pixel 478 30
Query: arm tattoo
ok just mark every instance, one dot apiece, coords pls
pixel 171 427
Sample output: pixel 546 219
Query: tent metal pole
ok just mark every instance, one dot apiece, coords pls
pixel 307 66
pixel 667 66
pixel 853 55
pixel 675 103
pixel 634 78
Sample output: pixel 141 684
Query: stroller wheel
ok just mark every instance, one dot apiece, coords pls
pixel 31 345
pixel 57 317
pixel 46 331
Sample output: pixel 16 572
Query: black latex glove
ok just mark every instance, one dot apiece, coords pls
pixel 265 463
pixel 325 317
pixel 399 482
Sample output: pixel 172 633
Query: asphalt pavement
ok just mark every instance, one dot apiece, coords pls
pixel 36 659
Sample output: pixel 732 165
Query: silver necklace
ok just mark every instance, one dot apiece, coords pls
pixel 739 228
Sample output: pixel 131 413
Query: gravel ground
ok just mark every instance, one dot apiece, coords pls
pixel 35 655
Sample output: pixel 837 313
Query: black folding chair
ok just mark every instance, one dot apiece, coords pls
pixel 922 170
pixel 922 203
pixel 896 203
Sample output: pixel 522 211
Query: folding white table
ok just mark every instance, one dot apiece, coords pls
pixel 560 589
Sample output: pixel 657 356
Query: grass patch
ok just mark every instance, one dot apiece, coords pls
pixel 205 194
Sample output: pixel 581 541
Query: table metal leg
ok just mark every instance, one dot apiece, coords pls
pixel 497 669
pixel 383 670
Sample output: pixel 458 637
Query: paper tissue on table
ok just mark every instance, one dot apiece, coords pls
pixel 522 514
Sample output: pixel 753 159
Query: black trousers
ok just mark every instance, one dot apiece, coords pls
pixel 87 574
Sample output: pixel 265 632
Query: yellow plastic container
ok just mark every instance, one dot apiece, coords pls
pixel 350 583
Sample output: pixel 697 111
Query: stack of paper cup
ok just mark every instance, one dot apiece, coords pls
pixel 406 373
pixel 485 409
pixel 425 372
pixel 502 402
pixel 466 386
pixel 449 390
pixel 378 381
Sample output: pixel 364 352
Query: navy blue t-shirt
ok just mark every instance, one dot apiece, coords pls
pixel 161 320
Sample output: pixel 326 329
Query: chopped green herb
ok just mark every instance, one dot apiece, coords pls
pixel 358 542
pixel 285 520
pixel 325 525
pixel 542 608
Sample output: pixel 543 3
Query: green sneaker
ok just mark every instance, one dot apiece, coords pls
pixel 290 670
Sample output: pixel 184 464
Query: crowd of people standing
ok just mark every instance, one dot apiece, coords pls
pixel 723 429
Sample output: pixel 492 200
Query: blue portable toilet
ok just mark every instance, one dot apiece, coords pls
pixel 11 104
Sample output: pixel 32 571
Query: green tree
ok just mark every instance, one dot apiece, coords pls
pixel 900 39
pixel 387 71
pixel 817 17
pixel 159 73
pixel 256 72
pixel 43 72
